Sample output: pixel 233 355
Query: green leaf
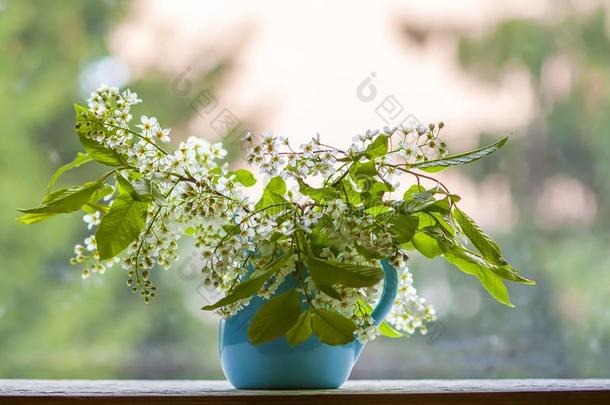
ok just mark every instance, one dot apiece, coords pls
pixel 417 201
pixel 508 272
pixel 441 223
pixel 363 173
pixel 302 242
pixel 332 328
pixel 276 263
pixel 61 201
pixel 120 226
pixel 231 229
pixel 139 190
pixel 68 199
pixel 385 329
pixel 426 245
pixel 84 120
pixel 301 330
pixel 488 279
pixel 250 286
pixel 492 255
pixel 347 191
pixel 147 189
pixel 505 271
pixel 440 206
pixel 372 194
pixel 454 197
pixel 245 177
pixel 414 189
pixel 434 224
pixel 425 219
pixel 319 237
pixel 377 210
pixel 101 193
pixel 276 185
pixel 101 153
pixel 378 148
pixel 272 195
pixel 317 194
pixel 437 165
pixel 326 272
pixel 404 227
pixel 79 160
pixel 92 205
pixel 484 244
pixel 85 123
pixel 33 218
pixel 408 245
pixel 330 291
pixel 275 317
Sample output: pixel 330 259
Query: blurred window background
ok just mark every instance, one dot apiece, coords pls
pixel 537 70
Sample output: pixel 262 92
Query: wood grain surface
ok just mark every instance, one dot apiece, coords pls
pixel 529 391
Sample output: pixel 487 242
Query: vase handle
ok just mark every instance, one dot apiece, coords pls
pixel 388 295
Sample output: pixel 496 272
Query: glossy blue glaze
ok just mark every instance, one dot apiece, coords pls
pixel 277 365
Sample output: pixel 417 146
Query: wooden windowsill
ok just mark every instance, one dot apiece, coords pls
pixel 529 391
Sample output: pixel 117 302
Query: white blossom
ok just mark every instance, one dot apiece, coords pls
pixel 148 125
pixel 92 219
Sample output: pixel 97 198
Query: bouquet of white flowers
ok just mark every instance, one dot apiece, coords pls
pixel 325 219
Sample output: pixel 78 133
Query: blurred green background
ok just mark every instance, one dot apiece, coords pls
pixel 53 324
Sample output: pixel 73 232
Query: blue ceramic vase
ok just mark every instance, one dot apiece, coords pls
pixel 277 365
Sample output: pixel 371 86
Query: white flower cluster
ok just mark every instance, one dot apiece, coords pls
pixel 88 256
pixel 274 156
pixel 182 206
pixel 410 311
